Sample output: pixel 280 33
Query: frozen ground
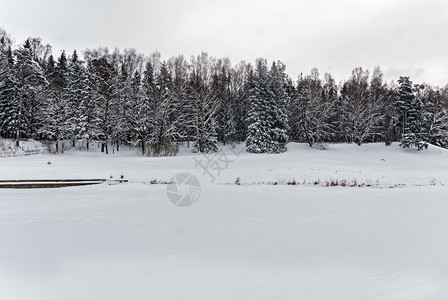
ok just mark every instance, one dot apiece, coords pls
pixel 248 241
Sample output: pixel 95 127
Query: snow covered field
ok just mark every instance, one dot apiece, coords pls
pixel 256 240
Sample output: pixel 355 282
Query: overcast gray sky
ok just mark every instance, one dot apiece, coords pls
pixel 403 37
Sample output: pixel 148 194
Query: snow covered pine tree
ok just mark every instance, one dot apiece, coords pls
pixel 412 115
pixel 268 121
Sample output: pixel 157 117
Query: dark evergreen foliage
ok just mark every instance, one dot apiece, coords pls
pixel 411 108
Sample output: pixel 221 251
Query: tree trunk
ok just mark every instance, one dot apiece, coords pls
pixel 20 108
pixel 308 139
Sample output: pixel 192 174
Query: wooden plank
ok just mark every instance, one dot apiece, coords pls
pixel 45 185
pixel 51 180
pixel 52 183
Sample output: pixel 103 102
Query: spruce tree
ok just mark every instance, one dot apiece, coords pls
pixel 83 124
pixel 54 113
pixel 9 86
pixel 226 97
pixel 436 112
pixel 31 80
pixel 411 115
pixel 104 90
pixel 241 84
pixel 259 132
pixel 144 113
pixel 278 105
pixel 267 117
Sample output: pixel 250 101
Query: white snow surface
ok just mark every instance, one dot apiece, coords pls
pixel 256 240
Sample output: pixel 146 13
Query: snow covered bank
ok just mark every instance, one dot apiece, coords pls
pixel 372 165
pixel 29 147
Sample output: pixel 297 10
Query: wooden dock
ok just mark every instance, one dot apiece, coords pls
pixel 53 183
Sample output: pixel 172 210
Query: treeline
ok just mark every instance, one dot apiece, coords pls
pixel 124 97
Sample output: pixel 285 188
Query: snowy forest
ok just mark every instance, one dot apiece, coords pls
pixel 126 98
